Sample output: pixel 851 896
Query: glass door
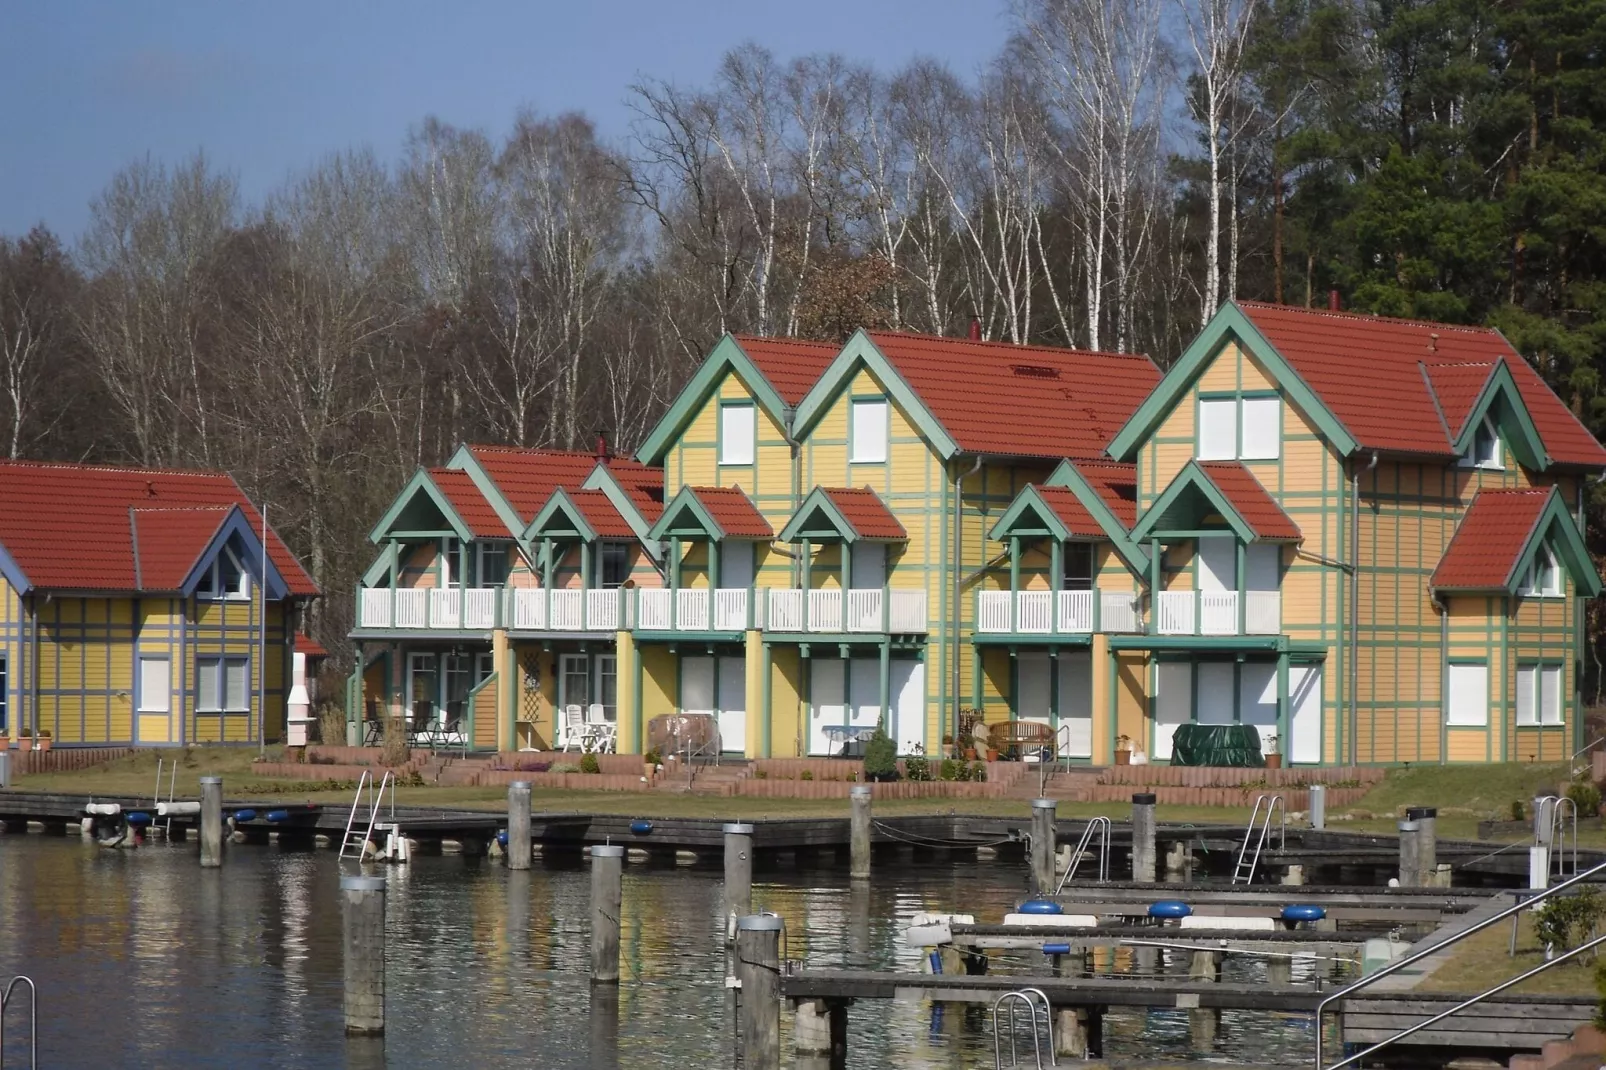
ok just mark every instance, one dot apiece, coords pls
pixel 423 690
pixel 459 681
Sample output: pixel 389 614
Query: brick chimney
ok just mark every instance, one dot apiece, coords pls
pixel 1332 301
pixel 602 450
pixel 975 329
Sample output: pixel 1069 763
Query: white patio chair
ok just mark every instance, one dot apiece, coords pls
pixel 575 730
pixel 604 733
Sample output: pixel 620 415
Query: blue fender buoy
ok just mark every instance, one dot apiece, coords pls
pixel 1304 912
pixel 245 815
pixel 1169 909
pixel 1040 906
pixel 641 827
pixel 501 838
pixel 139 818
pixel 1056 949
pixel 278 815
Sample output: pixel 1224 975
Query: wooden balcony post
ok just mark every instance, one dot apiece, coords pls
pixel 713 568
pixel 1243 597
pixel 807 580
pixel 886 682
pixel 1154 586
pixel 1014 584
pixel 1283 720
pixel 674 564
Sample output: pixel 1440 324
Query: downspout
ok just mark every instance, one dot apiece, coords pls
pixel 959 589
pixel 1444 675
pixel 1355 611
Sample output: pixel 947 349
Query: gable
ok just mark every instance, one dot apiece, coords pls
pixel 727 358
pixel 420 510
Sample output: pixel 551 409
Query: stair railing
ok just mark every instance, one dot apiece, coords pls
pixel 1243 871
pixel 1103 825
pixel 1039 1026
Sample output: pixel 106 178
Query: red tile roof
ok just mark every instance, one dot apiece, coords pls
pixel 1484 550
pixel 644 486
pixel 1025 401
pixel 734 511
pixel 599 511
pixel 68 528
pixel 1253 502
pixel 459 489
pixel 527 477
pixel 306 644
pixel 1456 387
pixel 1116 484
pixel 1366 369
pixel 1069 508
pixel 168 542
pixel 791 365
pixel 864 509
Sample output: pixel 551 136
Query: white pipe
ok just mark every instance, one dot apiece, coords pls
pixel 176 809
pixel 103 809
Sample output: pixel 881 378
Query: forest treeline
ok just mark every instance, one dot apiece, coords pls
pixel 1119 169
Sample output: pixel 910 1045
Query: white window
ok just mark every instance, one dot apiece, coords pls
pixel 1544 575
pixel 869 432
pixel 1249 429
pixel 1218 429
pixel 226 578
pixel 223 685
pixel 155 685
pixel 1539 695
pixel 736 563
pixel 1469 695
pixel 1550 694
pixel 736 434
pixel 1485 449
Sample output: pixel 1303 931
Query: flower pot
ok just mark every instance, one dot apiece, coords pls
pixel 1123 757
pixel 992 755
pixel 1274 761
pixel 649 770
pixel 970 754
pixel 42 743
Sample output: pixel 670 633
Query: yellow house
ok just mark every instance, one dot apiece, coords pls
pixel 139 608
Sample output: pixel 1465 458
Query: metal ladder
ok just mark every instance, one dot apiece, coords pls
pixel 33 1018
pixel 156 796
pixel 1243 872
pixel 353 844
pixel 1101 824
pixel 1551 812
pixel 1040 1025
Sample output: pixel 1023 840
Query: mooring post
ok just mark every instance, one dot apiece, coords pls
pixel 1318 806
pixel 604 1028
pixel 362 915
pixel 1143 837
pixel 1410 867
pixel 1205 1022
pixel 607 865
pixel 1427 843
pixel 5 770
pixel 211 821
pixel 811 1030
pixel 1079 1032
pixel 1043 844
pixel 738 873
pixel 1280 971
pixel 859 797
pixel 518 825
pixel 1177 862
pixel 758 969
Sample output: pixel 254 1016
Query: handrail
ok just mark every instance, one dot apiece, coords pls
pixel 33 1017
pixel 1024 995
pixel 1044 768
pixel 1412 959
pixel 1275 806
pixel 1588 746
pixel 1479 998
pixel 1102 823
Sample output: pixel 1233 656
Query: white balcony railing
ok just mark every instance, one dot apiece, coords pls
pixel 691 609
pixel 730 609
pixel 825 611
pixel 566 610
pixel 1120 611
pixel 906 612
pixel 530 609
pixel 655 609
pixel 1075 612
pixel 1218 612
pixel 1056 612
pixel 445 608
pixel 1173 613
pixel 602 610
pixel 785 609
pixel 864 611
pixel 1263 612
pixel 993 611
pixel 868 610
pixel 1034 611
pixel 440 609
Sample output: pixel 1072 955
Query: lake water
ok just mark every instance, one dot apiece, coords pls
pixel 143 959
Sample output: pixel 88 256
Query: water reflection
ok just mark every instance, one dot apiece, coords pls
pixel 145 960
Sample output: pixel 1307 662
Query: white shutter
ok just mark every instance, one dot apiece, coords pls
pixel 1550 694
pixel 1526 713
pixel 1469 695
pixel 236 676
pixel 1173 706
pixel 697 685
pixel 1262 562
pixel 909 705
pixel 1076 702
pixel 864 692
pixel 155 685
pixel 736 434
pixel 1218 563
pixel 733 704
pixel 209 684
pixel 1257 698
pixel 1218 429
pixel 869 431
pixel 1262 422
pixel 1214 697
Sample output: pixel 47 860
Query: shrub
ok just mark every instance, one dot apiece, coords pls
pixel 807 774
pixel 530 765
pixel 1519 812
pixel 761 774
pixel 962 772
pixel 880 757
pixel 565 767
pixel 1563 922
pixel 652 757
pixel 948 770
pixel 589 764
pixel 1585 796
pixel 411 779
pixel 978 772
pixel 918 769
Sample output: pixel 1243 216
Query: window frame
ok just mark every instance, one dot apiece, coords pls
pixel 490 548
pixel 1473 459
pixel 222 662
pixel 854 406
pixel 606 548
pixel 1450 716
pixel 720 442
pixel 142 700
pixel 1531 587
pixel 211 588
pixel 1237 400
pixel 1074 547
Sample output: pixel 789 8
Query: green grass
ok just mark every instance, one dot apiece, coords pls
pixel 1479 791
pixel 1482 961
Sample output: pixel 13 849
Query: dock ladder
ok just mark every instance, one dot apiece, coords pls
pixel 353 843
pixel 33 1017
pixel 156 796
pixel 1243 872
pixel 1102 825
pixel 1041 1024
pixel 1551 813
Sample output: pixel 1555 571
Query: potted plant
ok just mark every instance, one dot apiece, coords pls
pixel 651 760
pixel 42 741
pixel 947 746
pixel 1123 750
pixel 880 758
pixel 1274 757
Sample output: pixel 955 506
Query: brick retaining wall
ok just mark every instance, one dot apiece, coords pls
pixel 63 759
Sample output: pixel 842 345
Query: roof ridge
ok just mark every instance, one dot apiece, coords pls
pixel 1017 346
pixel 120 469
pixel 197 508
pixel 1349 314
pixel 785 340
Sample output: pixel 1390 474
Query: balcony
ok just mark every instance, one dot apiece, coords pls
pixel 481 609
pixel 535 609
pixel 1216 613
pixel 871 611
pixel 696 609
pixel 1052 613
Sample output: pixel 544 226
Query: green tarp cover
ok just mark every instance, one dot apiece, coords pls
pixel 1236 745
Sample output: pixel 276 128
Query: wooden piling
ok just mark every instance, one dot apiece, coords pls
pixel 211 821
pixel 1079 1032
pixel 1427 843
pixel 1280 971
pixel 1204 1022
pixel 811 1028
pixel 1177 862
pixel 5 770
pixel 859 832
pixel 1318 806
pixel 738 872
pixel 518 825
pixel 758 969
pixel 362 913
pixel 1043 844
pixel 1143 851
pixel 604 1027
pixel 1410 866
pixel 607 866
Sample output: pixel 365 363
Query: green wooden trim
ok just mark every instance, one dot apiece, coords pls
pixel 1229 323
pixel 560 505
pixel 861 351
pixel 1067 475
pixel 464 461
pixel 603 479
pixel 702 522
pixel 1513 420
pixel 1554 525
pixel 420 482
pixel 726 356
pixel 836 525
pixel 1193 479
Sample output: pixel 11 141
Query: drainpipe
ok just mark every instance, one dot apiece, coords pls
pixel 959 587
pixel 1444 675
pixel 1355 611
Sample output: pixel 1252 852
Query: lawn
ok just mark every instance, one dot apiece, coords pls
pixel 1482 961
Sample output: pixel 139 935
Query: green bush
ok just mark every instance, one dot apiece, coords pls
pixel 880 757
pixel 1565 921
pixel 1519 812
pixel 917 768
pixel 589 764
pixel 962 773
pixel 652 757
pixel 807 774
pixel 1585 796
pixel 948 770
pixel 978 772
pixel 564 767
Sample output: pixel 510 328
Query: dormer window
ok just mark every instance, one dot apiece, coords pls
pixel 1078 567
pixel 1544 576
pixel 225 579
pixel 490 563
pixel 1485 449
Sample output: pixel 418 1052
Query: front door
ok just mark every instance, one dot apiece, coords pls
pixel 574 683
pixel 731 699
pixel 1032 698
pixel 1305 713
pixel 827 701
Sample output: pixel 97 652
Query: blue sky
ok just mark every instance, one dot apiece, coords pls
pixel 265 89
